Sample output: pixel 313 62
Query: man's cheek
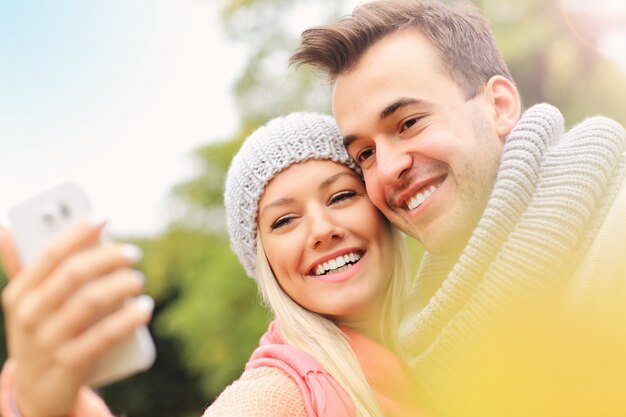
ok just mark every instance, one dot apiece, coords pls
pixel 373 187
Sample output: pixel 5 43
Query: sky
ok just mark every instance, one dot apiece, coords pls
pixel 113 95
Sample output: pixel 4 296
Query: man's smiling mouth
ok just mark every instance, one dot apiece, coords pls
pixel 422 195
pixel 339 264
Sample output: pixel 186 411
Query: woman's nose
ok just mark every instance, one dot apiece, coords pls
pixel 324 229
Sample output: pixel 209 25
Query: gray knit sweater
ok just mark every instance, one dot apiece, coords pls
pixel 552 193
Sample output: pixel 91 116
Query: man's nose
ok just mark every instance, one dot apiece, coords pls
pixel 392 162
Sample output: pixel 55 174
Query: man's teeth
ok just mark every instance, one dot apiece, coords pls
pixel 338 264
pixel 419 198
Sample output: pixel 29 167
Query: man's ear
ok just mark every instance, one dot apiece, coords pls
pixel 505 100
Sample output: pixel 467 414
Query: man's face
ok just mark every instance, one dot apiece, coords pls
pixel 429 156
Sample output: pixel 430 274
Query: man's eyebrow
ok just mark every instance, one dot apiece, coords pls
pixel 348 140
pixel 387 111
pixel 398 104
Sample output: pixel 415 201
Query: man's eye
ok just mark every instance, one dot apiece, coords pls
pixel 364 155
pixel 342 196
pixel 407 124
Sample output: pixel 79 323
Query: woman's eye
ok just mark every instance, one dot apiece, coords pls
pixel 282 222
pixel 342 196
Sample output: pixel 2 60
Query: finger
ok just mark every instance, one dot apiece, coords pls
pixel 75 272
pixel 83 234
pixel 90 305
pixel 8 254
pixel 98 339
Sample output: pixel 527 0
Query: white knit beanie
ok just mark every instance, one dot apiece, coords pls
pixel 280 143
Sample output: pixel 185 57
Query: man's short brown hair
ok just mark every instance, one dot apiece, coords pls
pixel 460 34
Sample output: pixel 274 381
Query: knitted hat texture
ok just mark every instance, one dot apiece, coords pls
pixel 280 143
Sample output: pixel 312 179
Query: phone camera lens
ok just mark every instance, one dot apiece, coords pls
pixel 48 217
pixel 64 210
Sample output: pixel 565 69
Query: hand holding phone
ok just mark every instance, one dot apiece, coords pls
pixel 65 309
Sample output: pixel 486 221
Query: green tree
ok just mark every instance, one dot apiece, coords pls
pixel 551 62
pixel 215 314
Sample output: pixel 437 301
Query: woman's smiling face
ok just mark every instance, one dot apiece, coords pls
pixel 328 246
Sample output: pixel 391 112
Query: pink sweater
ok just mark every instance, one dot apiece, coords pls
pixel 322 395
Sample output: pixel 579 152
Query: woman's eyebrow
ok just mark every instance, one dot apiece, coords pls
pixel 328 181
pixel 279 202
pixel 324 184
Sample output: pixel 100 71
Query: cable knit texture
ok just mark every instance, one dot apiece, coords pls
pixel 286 140
pixel 260 392
pixel 551 196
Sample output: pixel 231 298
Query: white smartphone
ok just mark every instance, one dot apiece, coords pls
pixel 36 221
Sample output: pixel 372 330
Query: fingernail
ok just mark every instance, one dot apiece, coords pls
pixel 140 277
pixel 132 252
pixel 144 303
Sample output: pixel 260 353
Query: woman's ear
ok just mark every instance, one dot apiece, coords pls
pixel 505 100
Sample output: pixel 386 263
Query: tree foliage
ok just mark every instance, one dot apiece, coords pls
pixel 550 62
pixel 209 307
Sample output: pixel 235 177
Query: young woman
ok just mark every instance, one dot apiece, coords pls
pixel 327 263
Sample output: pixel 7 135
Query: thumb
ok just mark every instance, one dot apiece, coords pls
pixel 8 254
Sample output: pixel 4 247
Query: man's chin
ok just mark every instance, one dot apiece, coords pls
pixel 444 243
pixel 405 225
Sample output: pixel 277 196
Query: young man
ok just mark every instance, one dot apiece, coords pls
pixel 512 211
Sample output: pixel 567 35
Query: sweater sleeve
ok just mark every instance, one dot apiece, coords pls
pixel 259 392
pixel 88 404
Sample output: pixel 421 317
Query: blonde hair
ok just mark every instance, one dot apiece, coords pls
pixel 323 339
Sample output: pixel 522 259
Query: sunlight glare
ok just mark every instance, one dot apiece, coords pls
pixel 601 7
pixel 599 25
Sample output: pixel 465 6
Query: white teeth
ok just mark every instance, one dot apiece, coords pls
pixel 338 264
pixel 419 198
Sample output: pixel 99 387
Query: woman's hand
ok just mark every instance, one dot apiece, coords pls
pixel 65 311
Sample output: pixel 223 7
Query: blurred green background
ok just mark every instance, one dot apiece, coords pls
pixel 208 318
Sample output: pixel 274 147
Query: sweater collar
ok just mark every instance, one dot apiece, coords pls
pixel 551 192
